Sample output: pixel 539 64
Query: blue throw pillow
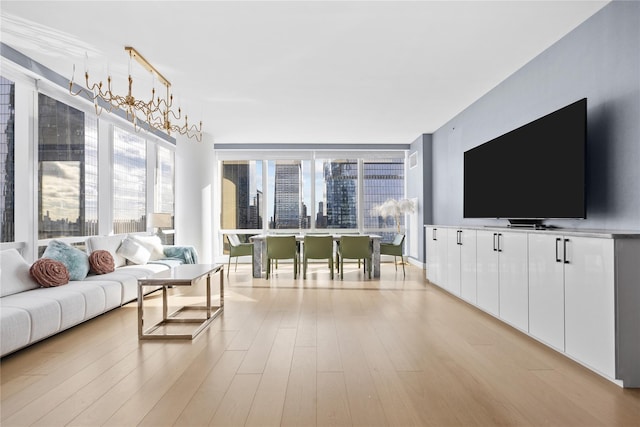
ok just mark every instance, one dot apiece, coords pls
pixel 76 261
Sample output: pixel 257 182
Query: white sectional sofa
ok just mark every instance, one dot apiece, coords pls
pixel 30 313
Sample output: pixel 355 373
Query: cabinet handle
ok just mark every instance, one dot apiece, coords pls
pixel 564 244
pixel 495 249
pixel 459 237
pixel 434 236
pixel 558 255
pixel 499 248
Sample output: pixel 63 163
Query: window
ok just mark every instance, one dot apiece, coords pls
pixel 129 182
pixel 164 188
pixel 337 193
pixel 67 171
pixel 289 198
pixel 165 180
pixel 310 190
pixel 241 195
pixel 383 180
pixel 7 160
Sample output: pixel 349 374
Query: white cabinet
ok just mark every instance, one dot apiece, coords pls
pixel 546 289
pixel 461 263
pixel 572 297
pixel 453 261
pixel 468 262
pixel 590 315
pixel 513 281
pixel 436 253
pixel 487 272
pixel 502 276
pixel 577 292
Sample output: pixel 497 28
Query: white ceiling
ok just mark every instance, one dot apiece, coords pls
pixel 301 72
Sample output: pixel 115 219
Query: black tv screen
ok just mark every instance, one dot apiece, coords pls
pixel 536 171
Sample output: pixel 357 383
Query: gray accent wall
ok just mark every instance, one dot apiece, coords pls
pixel 599 60
pixel 419 186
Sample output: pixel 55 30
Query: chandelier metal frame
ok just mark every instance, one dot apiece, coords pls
pixel 156 113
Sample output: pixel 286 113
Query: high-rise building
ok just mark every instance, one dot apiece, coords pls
pixel 341 179
pixel 7 160
pixel 287 195
pixel 383 180
pixel 241 201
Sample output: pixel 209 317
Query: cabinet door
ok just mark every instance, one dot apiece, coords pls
pixel 590 302
pixel 487 271
pixel 513 279
pixel 436 254
pixel 453 261
pixel 468 265
pixel 546 289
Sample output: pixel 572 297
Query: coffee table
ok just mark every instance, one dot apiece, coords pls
pixel 182 275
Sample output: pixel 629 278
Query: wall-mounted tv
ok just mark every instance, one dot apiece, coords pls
pixel 534 172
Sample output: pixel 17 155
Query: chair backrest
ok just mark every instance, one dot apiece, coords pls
pixel 318 247
pixel 355 247
pixel 281 247
pixel 397 241
pixel 233 239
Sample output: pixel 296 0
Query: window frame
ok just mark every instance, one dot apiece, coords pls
pixel 297 153
pixel 28 86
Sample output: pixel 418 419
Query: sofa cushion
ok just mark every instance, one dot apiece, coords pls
pixel 76 261
pixel 101 262
pixel 14 273
pixel 15 329
pixel 134 251
pixel 49 273
pixel 110 285
pixel 153 245
pixel 71 302
pixel 107 243
pixel 127 284
pixel 45 314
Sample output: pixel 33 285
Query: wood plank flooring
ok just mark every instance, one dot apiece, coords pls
pixel 357 352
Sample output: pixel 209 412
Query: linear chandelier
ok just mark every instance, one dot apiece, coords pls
pixel 157 112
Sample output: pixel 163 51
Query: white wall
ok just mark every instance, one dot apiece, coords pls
pixel 194 193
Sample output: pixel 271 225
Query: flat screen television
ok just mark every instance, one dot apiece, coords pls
pixel 534 172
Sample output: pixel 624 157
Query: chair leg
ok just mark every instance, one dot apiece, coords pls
pixel 229 266
pixel 402 260
pixel 395 262
pixel 236 263
pixel 268 267
pixel 295 267
pixel 341 268
pixel 304 268
pixel 331 267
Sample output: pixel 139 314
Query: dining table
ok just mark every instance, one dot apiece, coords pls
pixel 260 249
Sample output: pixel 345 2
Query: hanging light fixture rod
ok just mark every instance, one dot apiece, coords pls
pixel 146 64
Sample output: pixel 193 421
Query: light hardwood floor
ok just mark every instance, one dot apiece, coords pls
pixel 315 352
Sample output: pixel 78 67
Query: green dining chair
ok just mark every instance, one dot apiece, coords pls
pixel 317 247
pixel 337 263
pixel 355 247
pixel 394 248
pixel 282 247
pixel 237 249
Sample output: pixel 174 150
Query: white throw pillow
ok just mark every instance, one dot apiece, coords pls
pixel 107 243
pixel 153 245
pixel 134 251
pixel 14 274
